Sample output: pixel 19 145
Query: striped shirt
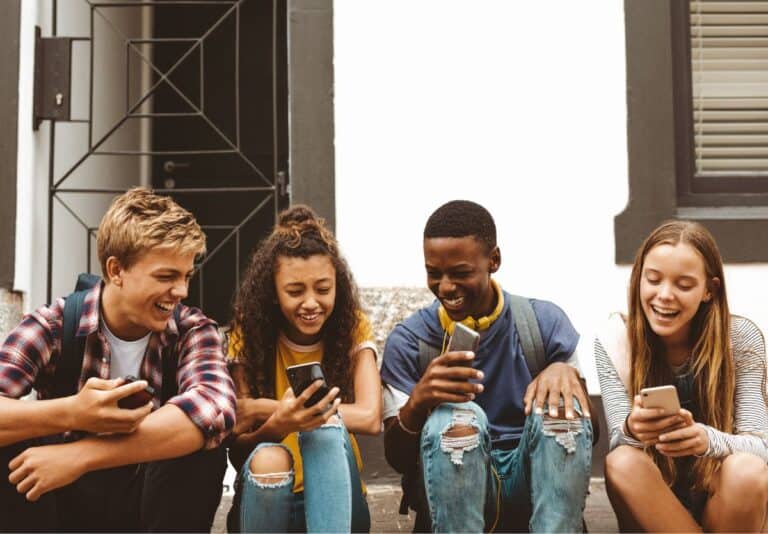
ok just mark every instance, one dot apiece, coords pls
pixel 205 390
pixel 750 414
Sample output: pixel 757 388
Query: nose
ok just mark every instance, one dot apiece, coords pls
pixel 665 291
pixel 180 290
pixel 446 286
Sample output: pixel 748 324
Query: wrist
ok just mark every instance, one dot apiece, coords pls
pixel 627 430
pixel 412 416
pixel 68 413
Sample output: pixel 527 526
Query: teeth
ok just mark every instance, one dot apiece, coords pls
pixel 665 313
pixel 310 317
pixel 454 302
pixel 165 307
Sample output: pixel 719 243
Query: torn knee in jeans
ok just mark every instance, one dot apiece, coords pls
pixel 563 430
pixel 462 435
pixel 270 467
pixel 271 480
pixel 333 421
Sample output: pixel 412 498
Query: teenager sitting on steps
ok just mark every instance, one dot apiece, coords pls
pixel 79 462
pixel 491 446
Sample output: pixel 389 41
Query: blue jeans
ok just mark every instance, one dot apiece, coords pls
pixel 332 500
pixel 540 485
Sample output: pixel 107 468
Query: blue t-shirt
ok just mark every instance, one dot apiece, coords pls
pixel 499 356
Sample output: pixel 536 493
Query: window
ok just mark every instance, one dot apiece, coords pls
pixel 697 97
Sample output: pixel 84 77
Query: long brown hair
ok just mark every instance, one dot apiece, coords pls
pixel 299 233
pixel 711 355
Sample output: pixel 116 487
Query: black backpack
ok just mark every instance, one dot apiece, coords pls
pixel 70 362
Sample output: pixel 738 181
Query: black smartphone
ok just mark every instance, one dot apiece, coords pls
pixel 138 399
pixel 463 339
pixel 302 376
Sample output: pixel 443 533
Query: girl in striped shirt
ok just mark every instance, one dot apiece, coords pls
pixel 704 467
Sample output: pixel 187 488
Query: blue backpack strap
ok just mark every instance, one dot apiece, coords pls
pixel 529 334
pixel 170 363
pixel 427 353
pixel 70 363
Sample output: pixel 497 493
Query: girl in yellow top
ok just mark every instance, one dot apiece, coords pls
pixel 299 466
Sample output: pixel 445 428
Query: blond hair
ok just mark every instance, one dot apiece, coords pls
pixel 711 355
pixel 138 221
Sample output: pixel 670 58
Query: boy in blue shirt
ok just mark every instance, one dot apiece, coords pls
pixel 491 447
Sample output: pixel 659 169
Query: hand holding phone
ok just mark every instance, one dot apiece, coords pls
pixel 138 399
pixel 302 376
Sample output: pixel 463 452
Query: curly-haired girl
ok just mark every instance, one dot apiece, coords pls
pixel 704 465
pixel 299 466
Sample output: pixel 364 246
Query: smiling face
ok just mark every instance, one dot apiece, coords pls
pixel 141 298
pixel 459 274
pixel 306 294
pixel 673 285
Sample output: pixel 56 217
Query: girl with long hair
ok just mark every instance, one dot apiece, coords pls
pixel 299 466
pixel 705 466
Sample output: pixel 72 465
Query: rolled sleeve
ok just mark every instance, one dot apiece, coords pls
pixel 206 391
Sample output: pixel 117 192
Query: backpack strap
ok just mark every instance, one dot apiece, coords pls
pixel 70 363
pixel 170 363
pixel 529 334
pixel 427 353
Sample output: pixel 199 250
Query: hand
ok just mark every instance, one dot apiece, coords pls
pixel 446 379
pixel 646 424
pixel 292 416
pixel 94 408
pixel 555 381
pixel 38 470
pixel 687 440
pixel 244 421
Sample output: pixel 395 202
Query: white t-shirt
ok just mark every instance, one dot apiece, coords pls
pixel 126 356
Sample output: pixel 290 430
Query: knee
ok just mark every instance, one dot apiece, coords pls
pixel 271 464
pixel 624 464
pixel 458 428
pixel 743 477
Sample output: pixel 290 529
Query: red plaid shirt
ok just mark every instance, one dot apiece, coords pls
pixel 205 390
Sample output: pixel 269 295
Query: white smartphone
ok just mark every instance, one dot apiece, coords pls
pixel 664 397
pixel 463 339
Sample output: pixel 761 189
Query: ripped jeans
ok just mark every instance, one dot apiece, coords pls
pixel 332 500
pixel 541 485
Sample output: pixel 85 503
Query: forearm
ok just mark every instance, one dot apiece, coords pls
pixel 166 433
pixel 21 420
pixel 722 444
pixel 361 419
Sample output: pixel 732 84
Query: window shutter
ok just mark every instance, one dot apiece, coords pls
pixel 729 79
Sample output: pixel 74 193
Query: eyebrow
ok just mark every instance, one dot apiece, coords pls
pixel 656 271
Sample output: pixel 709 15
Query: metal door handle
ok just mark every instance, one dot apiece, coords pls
pixel 170 165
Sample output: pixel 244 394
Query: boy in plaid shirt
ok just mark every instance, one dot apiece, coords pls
pixel 81 462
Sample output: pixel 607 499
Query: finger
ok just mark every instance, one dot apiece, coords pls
pixel 103 385
pixel 530 391
pixel 687 417
pixel 289 394
pixel 126 390
pixel 16 461
pixel 677 447
pixel 35 493
pixel 650 414
pixel 583 399
pixel 459 357
pixel 324 401
pixel 455 388
pixel 541 395
pixel 677 435
pixel 309 391
pixel 18 474
pixel 26 484
pixel 457 372
pixel 567 402
pixel 553 400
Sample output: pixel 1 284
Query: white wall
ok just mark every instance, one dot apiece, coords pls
pixel 519 106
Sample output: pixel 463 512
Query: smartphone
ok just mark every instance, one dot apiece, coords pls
pixel 302 376
pixel 138 399
pixel 463 339
pixel 664 397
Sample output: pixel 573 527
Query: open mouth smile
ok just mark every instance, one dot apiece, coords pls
pixel 453 304
pixel 665 313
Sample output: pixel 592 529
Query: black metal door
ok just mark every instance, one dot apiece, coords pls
pixel 215 113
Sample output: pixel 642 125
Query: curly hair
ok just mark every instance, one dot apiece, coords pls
pixel 299 233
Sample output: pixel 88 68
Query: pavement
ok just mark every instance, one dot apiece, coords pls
pixel 384 501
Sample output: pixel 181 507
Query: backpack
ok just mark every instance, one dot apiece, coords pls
pixel 528 332
pixel 70 362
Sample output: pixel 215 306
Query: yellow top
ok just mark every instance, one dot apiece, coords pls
pixel 476 324
pixel 290 353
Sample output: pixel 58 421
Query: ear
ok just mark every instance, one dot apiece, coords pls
pixel 495 259
pixel 114 271
pixel 713 289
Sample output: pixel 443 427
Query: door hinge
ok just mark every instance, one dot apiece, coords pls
pixel 53 69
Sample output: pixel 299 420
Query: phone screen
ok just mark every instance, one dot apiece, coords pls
pixel 302 376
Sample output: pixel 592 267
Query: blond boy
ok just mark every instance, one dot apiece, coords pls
pixel 81 462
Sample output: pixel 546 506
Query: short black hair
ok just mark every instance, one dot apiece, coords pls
pixel 462 218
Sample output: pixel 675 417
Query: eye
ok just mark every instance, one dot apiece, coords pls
pixel 433 274
pixel 653 280
pixel 323 290
pixel 294 292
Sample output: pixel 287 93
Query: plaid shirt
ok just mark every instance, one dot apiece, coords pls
pixel 205 390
